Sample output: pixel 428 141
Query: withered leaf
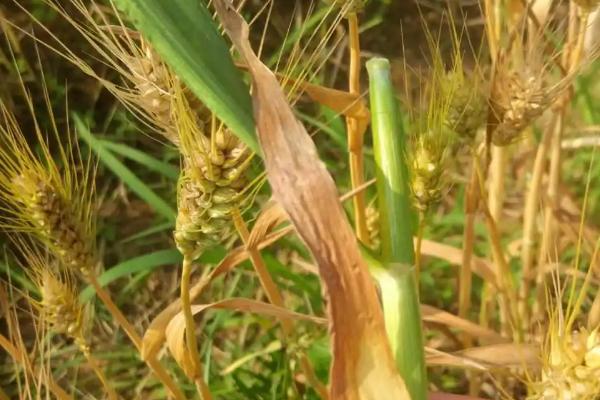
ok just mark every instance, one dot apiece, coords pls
pixel 362 365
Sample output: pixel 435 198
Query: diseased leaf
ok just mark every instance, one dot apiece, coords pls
pixel 362 366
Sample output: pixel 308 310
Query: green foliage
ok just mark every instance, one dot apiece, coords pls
pixel 184 34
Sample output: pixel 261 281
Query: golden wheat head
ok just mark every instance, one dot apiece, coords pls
pixel 49 197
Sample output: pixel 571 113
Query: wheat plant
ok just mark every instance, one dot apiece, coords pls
pixel 299 199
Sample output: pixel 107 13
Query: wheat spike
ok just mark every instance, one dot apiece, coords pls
pixel 428 164
pixel 151 80
pixel 53 204
pixel 55 222
pixel 60 307
pixel 210 188
pixel 572 369
pixel 517 99
pixel 467 111
pixel 525 83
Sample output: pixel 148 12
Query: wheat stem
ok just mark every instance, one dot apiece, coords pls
pixel 532 199
pixel 135 338
pixel 190 330
pixel 418 245
pixel 275 298
pixel 465 276
pixel 93 362
pixel 355 136
pixel 496 176
pixel 115 312
pixel 571 61
pixel 508 299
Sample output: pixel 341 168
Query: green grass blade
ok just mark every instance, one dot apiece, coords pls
pixel 16 275
pixel 119 169
pixel 153 164
pixel 395 274
pixel 149 231
pixel 146 262
pixel 184 34
pixel 339 137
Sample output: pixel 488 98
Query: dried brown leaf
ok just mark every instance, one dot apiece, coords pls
pixel 345 103
pixel 432 314
pixel 488 357
pixel 154 337
pixel 453 255
pixel 362 365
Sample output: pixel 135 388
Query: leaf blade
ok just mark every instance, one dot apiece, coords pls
pixel 124 173
pixel 184 34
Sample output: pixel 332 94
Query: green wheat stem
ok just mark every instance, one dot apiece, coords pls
pixel 395 271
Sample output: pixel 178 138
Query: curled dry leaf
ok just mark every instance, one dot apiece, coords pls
pixel 175 331
pixel 362 365
pixel 154 336
pixel 346 103
pixel 270 217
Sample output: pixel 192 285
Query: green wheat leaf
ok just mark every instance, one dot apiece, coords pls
pixel 184 34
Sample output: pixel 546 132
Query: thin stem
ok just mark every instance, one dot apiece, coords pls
pixel 266 281
pixel 507 299
pixel 418 246
pixel 492 27
pixel 116 313
pixel 465 276
pixel 355 136
pixel 135 338
pixel 275 298
pixel 571 61
pixel 496 176
pixel 93 362
pixel 532 199
pixel 190 329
